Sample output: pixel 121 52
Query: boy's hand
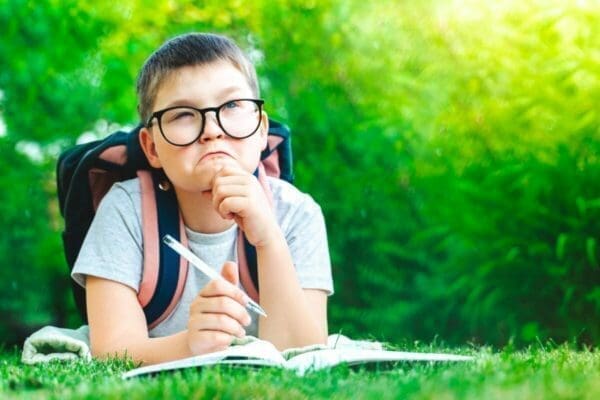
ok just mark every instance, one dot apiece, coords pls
pixel 238 195
pixel 217 314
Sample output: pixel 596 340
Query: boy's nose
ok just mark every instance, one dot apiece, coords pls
pixel 211 130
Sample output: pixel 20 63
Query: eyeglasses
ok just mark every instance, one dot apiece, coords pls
pixel 182 126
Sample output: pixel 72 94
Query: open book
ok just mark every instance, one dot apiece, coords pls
pixel 260 353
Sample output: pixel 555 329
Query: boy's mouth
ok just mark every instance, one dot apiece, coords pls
pixel 214 154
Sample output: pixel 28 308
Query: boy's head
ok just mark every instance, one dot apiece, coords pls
pixel 199 107
pixel 192 49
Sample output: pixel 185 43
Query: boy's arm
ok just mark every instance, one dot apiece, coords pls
pixel 118 326
pixel 296 317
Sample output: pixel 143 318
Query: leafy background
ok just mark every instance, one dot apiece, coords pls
pixel 453 146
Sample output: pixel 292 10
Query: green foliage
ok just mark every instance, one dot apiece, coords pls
pixel 32 280
pixel 505 173
pixel 49 75
pixel 522 244
pixel 453 146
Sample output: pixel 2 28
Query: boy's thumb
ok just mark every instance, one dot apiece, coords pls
pixel 230 272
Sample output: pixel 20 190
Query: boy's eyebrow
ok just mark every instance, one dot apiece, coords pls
pixel 182 102
pixel 229 90
pixel 222 96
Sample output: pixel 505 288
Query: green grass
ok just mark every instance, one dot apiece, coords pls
pixel 554 372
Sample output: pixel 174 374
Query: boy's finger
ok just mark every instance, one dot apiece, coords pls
pixel 221 305
pixel 233 205
pixel 220 287
pixel 219 322
pixel 223 192
pixel 218 167
pixel 227 168
pixel 209 341
pixel 230 272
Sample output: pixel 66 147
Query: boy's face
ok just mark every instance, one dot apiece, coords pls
pixel 192 168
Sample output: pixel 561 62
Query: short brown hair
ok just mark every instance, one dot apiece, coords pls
pixel 188 50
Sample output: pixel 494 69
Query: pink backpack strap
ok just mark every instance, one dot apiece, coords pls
pixel 271 163
pixel 151 248
pixel 102 179
pixel 245 277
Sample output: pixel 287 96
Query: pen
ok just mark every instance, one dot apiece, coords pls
pixel 201 265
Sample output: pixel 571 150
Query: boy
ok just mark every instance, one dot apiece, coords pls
pixel 205 128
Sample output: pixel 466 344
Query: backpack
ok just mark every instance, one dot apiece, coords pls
pixel 85 173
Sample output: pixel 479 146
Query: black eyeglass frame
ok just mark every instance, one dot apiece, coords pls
pixel 158 115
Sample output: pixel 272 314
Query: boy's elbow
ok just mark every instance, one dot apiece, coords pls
pixel 109 348
pixel 103 351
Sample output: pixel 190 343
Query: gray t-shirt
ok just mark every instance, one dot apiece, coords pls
pixel 113 247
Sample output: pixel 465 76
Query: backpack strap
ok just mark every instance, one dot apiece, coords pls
pixel 247 261
pixel 162 283
pixel 277 156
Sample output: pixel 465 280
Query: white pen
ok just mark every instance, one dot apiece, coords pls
pixel 201 265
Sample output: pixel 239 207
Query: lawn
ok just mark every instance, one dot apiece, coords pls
pixel 553 372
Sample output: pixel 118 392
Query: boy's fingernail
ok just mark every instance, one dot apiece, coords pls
pixel 245 299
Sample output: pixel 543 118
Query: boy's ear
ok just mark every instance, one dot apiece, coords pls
pixel 264 127
pixel 149 148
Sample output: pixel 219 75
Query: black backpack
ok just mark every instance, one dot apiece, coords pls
pixel 85 173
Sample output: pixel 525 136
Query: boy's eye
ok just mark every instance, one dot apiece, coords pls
pixel 179 114
pixel 232 104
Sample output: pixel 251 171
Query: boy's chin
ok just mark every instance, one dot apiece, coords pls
pixel 205 176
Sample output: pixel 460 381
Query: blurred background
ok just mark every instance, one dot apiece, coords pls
pixel 454 147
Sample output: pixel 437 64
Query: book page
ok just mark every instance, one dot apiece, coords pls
pixel 257 353
pixel 329 357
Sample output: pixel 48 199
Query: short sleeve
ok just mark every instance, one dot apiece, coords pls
pixel 303 224
pixel 112 248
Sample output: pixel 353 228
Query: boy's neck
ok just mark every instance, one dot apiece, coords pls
pixel 199 213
